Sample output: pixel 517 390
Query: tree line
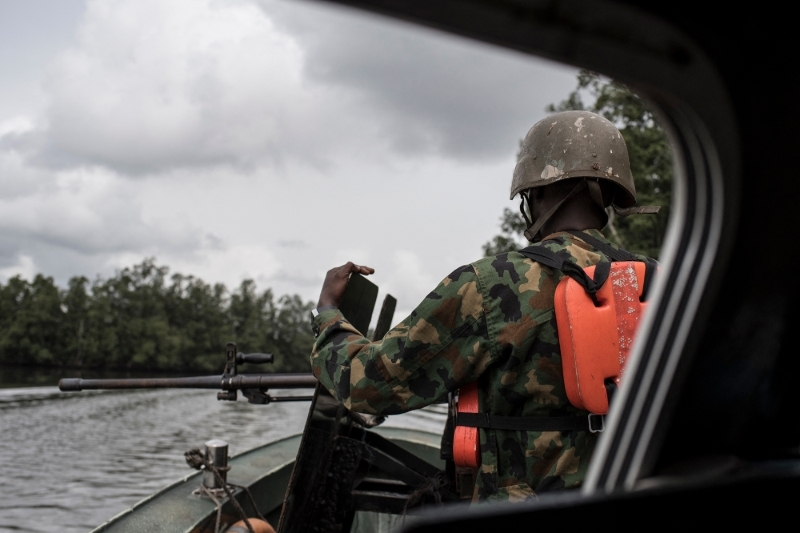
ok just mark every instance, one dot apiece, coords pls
pixel 143 318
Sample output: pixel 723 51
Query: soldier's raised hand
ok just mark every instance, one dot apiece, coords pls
pixel 336 281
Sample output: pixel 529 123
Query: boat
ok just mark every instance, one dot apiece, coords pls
pixel 265 471
pixel 343 473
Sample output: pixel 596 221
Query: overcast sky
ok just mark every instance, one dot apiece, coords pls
pixel 267 139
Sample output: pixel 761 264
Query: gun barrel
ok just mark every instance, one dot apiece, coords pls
pixel 270 381
pixel 242 381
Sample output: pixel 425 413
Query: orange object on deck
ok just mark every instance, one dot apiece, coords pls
pixel 466 450
pixel 259 526
pixel 595 340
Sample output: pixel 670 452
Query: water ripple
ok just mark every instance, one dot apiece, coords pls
pixel 79 459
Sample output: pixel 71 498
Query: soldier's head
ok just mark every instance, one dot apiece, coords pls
pixel 572 166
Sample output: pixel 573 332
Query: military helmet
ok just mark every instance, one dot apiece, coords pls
pixel 575 144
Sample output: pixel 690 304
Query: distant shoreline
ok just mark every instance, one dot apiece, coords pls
pixel 12 376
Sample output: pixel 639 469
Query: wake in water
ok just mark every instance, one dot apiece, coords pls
pixel 76 460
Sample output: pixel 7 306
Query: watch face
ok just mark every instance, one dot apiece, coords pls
pixel 314 329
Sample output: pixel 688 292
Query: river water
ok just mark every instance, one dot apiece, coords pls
pixel 71 461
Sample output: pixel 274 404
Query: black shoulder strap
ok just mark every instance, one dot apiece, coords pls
pixel 650 272
pixel 546 257
pixel 651 266
pixel 613 253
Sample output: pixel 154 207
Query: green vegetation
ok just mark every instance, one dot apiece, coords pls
pixel 143 318
pixel 651 164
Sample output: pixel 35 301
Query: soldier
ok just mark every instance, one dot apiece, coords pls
pixel 493 320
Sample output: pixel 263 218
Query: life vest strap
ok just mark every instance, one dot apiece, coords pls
pixel 615 254
pixel 618 254
pixel 593 423
pixel 548 258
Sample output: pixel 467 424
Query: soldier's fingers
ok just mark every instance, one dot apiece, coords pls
pixel 348 268
pixel 341 271
pixel 363 270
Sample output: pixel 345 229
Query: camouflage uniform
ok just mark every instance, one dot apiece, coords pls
pixel 491 321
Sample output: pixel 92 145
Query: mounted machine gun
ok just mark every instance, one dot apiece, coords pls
pixel 254 387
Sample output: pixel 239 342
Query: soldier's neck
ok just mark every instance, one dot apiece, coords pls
pixel 576 220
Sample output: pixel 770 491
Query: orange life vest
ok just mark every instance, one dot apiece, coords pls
pixel 466 450
pixel 598 310
pixel 595 339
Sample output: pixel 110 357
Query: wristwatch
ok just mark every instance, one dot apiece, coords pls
pixel 315 313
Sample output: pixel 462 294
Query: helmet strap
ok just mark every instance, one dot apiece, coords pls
pixel 597 196
pixel 596 193
pixel 532 233
pixel 523 198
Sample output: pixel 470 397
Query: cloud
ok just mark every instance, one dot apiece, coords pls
pixel 409 280
pixel 292 243
pixel 23 267
pixel 67 221
pixel 89 210
pixel 431 92
pixel 17 178
pixel 152 86
pixel 159 85
pixel 295 279
pixel 230 265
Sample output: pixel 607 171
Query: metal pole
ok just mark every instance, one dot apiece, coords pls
pixel 241 381
pixel 216 454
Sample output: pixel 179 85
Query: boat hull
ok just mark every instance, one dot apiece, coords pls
pixel 265 470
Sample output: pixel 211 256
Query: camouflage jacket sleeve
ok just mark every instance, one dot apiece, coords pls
pixel 442 345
